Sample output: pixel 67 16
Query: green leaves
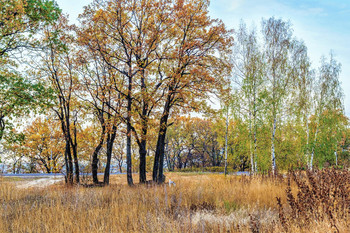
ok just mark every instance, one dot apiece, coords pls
pixel 277 88
pixel 42 11
pixel 19 21
pixel 18 96
pixel 15 138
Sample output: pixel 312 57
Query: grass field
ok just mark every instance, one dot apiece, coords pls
pixel 198 203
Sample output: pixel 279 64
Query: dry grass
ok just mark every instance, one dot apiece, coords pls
pixel 198 203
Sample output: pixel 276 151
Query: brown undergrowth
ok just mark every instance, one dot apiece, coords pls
pixel 320 202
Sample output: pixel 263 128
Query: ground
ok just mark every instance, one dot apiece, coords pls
pixel 198 203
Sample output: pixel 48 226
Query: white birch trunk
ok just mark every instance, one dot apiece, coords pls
pixel 273 157
pixel 307 142
pixel 255 152
pixel 250 144
pixel 226 142
pixel 255 139
pixel 313 150
pixel 336 157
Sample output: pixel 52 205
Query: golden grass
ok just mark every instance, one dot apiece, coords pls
pixel 198 203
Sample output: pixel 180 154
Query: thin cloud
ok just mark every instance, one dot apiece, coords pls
pixel 235 4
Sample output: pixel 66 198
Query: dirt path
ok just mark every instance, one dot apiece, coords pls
pixel 39 183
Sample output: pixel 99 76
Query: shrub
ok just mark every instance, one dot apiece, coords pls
pixel 322 197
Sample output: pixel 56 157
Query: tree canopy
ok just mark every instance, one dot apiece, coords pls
pixel 136 86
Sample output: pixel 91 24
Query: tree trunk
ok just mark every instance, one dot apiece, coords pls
pixel 313 150
pixel 251 144
pixel 110 140
pixel 120 166
pixel 67 152
pixel 2 126
pixel 226 134
pixel 179 162
pixel 144 129
pixel 159 156
pixel 160 148
pixel 255 146
pixel 143 153
pixel 75 155
pixel 156 164
pixel 48 170
pixel 255 156
pixel 274 114
pixel 14 167
pixel 65 124
pixel 307 142
pixel 336 157
pixel 94 164
pixel 67 166
pixel 273 157
pixel 69 163
pixel 19 167
pixel 315 140
pixel 128 156
pixel 128 134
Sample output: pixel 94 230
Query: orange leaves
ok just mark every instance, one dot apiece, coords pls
pixel 99 14
pixel 162 52
pixel 42 141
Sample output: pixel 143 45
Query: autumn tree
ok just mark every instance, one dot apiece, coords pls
pixel 99 89
pixel 44 144
pixel 57 66
pixel 119 151
pixel 175 145
pixel 194 65
pixel 88 136
pixel 129 35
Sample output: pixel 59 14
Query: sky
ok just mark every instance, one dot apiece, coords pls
pixel 323 25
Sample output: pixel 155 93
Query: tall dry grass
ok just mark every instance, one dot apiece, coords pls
pixel 198 203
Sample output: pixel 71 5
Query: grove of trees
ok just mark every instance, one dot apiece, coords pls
pixel 138 83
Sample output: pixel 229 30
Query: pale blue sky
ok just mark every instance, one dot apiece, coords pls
pixel 323 25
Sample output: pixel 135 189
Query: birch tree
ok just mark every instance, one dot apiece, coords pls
pixel 302 91
pixel 249 76
pixel 328 97
pixel 277 38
